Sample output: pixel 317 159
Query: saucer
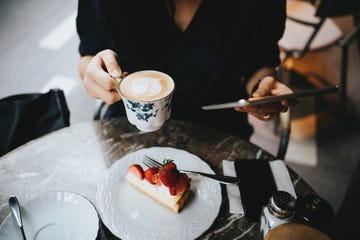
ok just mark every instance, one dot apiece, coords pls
pixel 56 216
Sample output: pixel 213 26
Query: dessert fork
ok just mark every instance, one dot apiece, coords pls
pixel 150 162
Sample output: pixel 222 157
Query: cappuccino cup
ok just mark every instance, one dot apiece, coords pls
pixel 147 98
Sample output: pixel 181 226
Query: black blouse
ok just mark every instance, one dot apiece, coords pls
pixel 226 41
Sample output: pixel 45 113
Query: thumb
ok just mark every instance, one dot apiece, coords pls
pixel 265 87
pixel 109 58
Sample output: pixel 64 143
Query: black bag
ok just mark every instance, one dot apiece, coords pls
pixel 24 117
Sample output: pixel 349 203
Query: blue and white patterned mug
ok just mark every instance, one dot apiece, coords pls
pixel 147 98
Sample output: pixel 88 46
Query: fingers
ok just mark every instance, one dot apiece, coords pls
pixel 109 58
pixel 97 74
pixel 265 87
pixel 98 81
pixel 269 107
pixel 95 90
pixel 268 86
pixel 280 89
pixel 262 115
pixel 264 112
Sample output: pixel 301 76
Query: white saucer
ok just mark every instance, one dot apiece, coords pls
pixel 55 216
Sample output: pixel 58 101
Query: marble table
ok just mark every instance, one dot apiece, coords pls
pixel 75 159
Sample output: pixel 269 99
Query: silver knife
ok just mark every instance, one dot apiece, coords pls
pixel 272 99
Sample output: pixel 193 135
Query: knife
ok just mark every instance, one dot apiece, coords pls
pixel 272 99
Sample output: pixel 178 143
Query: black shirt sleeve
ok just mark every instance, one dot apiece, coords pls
pixel 90 27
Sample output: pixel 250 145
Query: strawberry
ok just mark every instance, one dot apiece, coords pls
pixel 169 164
pixel 186 177
pixel 137 170
pixel 172 191
pixel 169 175
pixel 149 173
pixel 183 184
pixel 156 179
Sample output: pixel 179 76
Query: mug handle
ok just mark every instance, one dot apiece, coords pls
pixel 119 79
pixel 117 83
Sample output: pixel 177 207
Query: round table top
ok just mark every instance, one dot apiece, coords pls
pixel 75 158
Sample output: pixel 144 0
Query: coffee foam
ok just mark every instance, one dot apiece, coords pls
pixel 146 86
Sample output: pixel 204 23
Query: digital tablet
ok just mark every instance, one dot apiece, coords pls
pixel 272 99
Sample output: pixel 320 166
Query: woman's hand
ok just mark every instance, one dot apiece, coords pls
pixel 268 86
pixel 99 73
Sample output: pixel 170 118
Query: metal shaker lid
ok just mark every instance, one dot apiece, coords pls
pixel 281 204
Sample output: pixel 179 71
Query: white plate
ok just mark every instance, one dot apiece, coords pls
pixel 55 216
pixel 130 214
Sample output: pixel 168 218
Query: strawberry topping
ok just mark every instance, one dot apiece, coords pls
pixel 183 184
pixel 156 179
pixel 169 178
pixel 137 170
pixel 149 175
pixel 169 174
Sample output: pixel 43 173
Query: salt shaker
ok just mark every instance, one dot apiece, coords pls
pixel 279 210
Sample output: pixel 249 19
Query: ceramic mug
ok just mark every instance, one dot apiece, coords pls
pixel 147 98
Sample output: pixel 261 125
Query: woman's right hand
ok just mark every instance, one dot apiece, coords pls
pixel 99 76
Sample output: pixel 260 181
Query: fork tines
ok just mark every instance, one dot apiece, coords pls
pixel 150 162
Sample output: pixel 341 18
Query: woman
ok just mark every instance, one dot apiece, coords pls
pixel 216 51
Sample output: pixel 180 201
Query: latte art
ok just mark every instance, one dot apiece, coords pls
pixel 146 86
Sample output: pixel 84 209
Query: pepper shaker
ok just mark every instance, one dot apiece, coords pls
pixel 279 210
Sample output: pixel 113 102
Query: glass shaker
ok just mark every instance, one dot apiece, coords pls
pixel 279 210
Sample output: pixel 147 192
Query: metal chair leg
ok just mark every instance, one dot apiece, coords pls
pixel 285 123
pixel 344 44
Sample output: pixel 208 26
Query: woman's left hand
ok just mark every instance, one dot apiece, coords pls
pixel 268 86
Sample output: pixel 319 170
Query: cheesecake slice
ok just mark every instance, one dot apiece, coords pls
pixel 166 185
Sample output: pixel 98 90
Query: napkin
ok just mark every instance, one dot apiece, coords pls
pixel 281 177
